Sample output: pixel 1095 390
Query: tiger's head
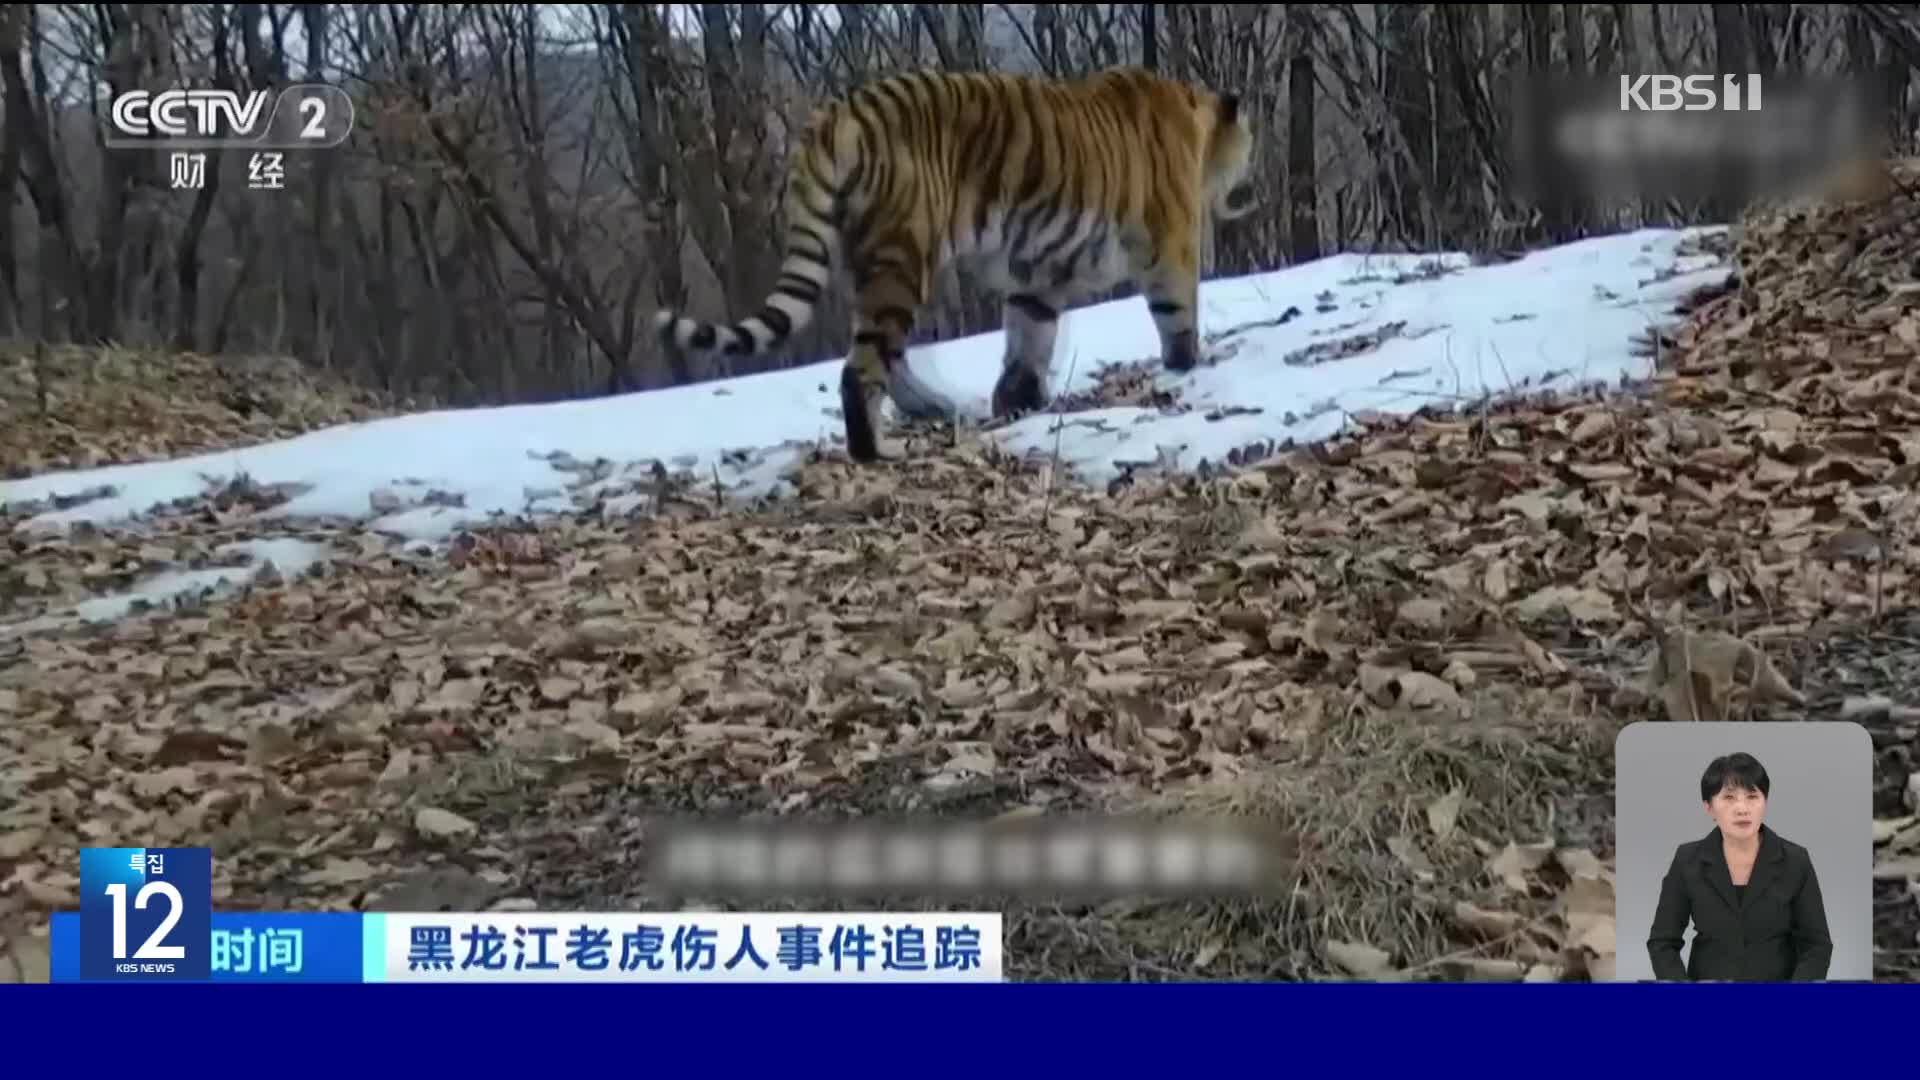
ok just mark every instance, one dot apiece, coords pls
pixel 1229 159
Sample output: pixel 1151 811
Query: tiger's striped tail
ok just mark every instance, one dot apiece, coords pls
pixel 812 245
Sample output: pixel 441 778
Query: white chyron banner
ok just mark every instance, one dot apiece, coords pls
pixel 686 947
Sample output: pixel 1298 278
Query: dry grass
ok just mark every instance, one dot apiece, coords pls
pixel 71 408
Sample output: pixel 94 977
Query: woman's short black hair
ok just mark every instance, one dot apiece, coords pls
pixel 1742 771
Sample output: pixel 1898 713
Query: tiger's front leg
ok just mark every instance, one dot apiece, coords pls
pixel 1172 288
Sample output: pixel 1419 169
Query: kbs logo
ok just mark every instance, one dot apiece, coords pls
pixel 146 914
pixel 1691 93
pixel 307 116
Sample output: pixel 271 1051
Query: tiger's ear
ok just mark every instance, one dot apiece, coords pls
pixel 1229 108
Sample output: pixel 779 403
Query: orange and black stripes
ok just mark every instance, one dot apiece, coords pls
pixel 1046 190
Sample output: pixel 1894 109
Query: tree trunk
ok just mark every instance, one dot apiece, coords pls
pixel 1303 190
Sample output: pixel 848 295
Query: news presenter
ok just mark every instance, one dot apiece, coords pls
pixel 1751 894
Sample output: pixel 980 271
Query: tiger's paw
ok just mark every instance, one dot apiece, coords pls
pixel 1182 354
pixel 1018 390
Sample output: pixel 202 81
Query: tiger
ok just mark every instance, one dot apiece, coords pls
pixel 1045 190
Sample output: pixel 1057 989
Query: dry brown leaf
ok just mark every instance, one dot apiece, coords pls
pixel 1490 969
pixel 1602 471
pixel 441 824
pixel 1595 935
pixel 897 682
pixel 1590 915
pixel 1591 427
pixel 1534 506
pixel 1443 814
pixel 1322 632
pixel 974 758
pixel 1483 924
pixel 1901 868
pixel 26 960
pixel 1851 544
pixel 1123 682
pixel 455 695
pixel 558 689
pixel 1425 614
pixel 397 768
pixel 49 892
pixel 1208 952
pixel 1696 674
pixel 1874 709
pixel 1497 582
pixel 1460 674
pixel 1359 960
pixel 1896 834
pixel 1013 612
pixel 1579 604
pixel 595 734
pixel 1419 690
pixel 16 843
pixel 156 785
pixel 1580 863
pixel 1516 861
pixel 1404 849
pixel 649 704
pixel 340 872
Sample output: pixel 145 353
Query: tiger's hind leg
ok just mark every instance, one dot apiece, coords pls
pixel 1031 320
pixel 890 289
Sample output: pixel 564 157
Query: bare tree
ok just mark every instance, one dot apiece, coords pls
pixel 1303 190
pixel 527 183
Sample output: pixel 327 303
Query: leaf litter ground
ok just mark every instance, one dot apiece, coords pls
pixel 1411 647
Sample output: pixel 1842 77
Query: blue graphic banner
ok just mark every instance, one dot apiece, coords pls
pixel 291 947
pixel 985 1030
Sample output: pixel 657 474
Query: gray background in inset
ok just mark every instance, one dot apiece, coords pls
pixel 1822 799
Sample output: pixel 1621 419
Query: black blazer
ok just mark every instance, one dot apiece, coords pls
pixel 1776 933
